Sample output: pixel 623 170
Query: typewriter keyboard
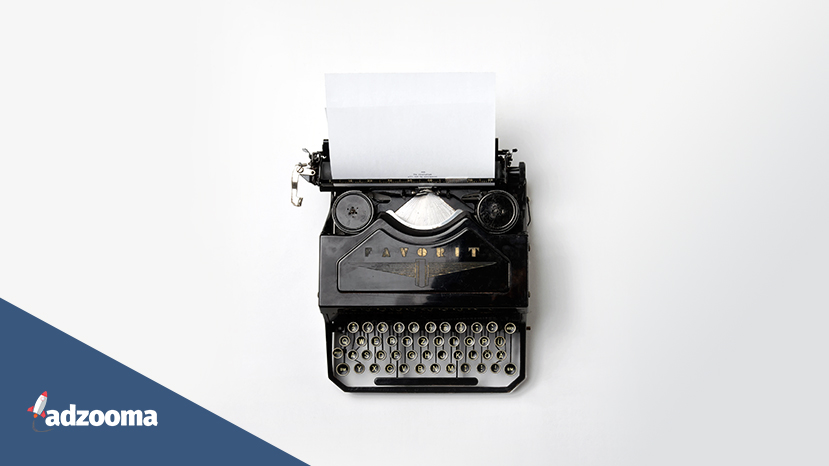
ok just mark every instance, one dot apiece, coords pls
pixel 485 353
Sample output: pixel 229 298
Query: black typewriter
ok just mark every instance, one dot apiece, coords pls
pixel 423 282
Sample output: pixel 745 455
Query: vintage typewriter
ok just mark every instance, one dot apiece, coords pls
pixel 423 282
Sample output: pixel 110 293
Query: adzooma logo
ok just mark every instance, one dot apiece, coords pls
pixel 81 417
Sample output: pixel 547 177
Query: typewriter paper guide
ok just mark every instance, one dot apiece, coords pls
pixel 412 126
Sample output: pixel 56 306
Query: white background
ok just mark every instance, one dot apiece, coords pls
pixel 678 161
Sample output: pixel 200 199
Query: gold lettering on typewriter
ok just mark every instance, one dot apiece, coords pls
pixel 421 252
pixel 386 252
pixel 440 252
pixel 368 251
pixel 403 251
pixel 457 252
pixel 474 251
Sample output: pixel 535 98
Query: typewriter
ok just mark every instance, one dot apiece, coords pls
pixel 423 282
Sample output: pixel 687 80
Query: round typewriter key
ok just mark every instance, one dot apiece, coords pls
pixel 361 341
pixel 500 341
pixel 359 368
pixel 374 368
pixel 352 355
pixel 469 341
pixel 460 327
pixel 353 327
pixel 390 368
pixel 420 368
pixel 476 327
pixel 454 341
pixel 430 327
pixel 403 368
pixel 450 368
pixel 442 355
pixel 483 341
pixel 497 211
pixel 445 327
pixel 495 368
pixel 501 355
pixel 407 341
pixel 510 328
pixel 381 355
pixel 391 341
pixel 481 368
pixel 509 369
pixel 352 211
pixel 337 353
pixel 411 355
pixel 427 355
pixel 382 327
pixel 435 368
pixel 396 355
pixel 366 354
pixel 492 327
pixel 457 355
pixel 399 327
pixel 464 368
pixel 376 341
pixel 344 340
pixel 423 341
pixel 438 341
pixel 414 327
pixel 487 354
pixel 473 355
pixel 342 369
pixel 368 327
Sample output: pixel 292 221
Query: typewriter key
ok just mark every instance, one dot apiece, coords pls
pixel 438 341
pixel 442 355
pixel 469 341
pixel 391 341
pixel 344 340
pixel 430 327
pixel 396 355
pixel 509 369
pixel 460 327
pixel 382 327
pixel 423 341
pixel 500 341
pixel 454 341
pixel 342 369
pixel 484 341
pixel 473 355
pixel 361 341
pixel 457 355
pixel 481 368
pixel 492 327
pixel 366 354
pixel 390 368
pixel 407 341
pixel 427 355
pixel 420 368
pixel 501 355
pixel 510 328
pixel 352 211
pixel 359 368
pixel 414 327
pixel 411 355
pixel 497 211
pixel 495 368
pixel 464 368
pixel 399 327
pixel 476 327
pixel 445 327
pixel 337 353
pixel 374 368
pixel 435 368
pixel 353 327
pixel 376 341
pixel 352 355
pixel 487 354
pixel 368 327
pixel 403 368
pixel 381 355
pixel 450 368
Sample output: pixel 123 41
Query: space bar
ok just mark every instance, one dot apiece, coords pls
pixel 426 381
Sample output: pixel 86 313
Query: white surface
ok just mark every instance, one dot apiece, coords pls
pixel 411 125
pixel 678 165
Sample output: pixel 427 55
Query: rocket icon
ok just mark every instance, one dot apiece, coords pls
pixel 39 406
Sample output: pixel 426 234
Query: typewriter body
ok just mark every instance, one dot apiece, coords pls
pixel 423 282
